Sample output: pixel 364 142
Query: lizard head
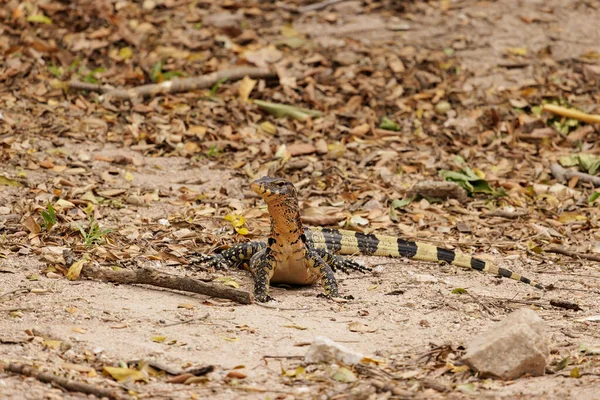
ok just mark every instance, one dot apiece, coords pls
pixel 273 189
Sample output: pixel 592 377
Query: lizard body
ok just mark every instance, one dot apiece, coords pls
pixel 298 255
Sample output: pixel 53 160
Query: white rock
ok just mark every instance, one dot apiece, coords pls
pixel 513 347
pixel 326 350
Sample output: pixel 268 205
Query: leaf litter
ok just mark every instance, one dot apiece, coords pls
pixel 357 111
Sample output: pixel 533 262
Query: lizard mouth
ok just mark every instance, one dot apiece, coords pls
pixel 260 190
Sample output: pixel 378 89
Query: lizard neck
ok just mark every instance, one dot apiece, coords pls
pixel 286 225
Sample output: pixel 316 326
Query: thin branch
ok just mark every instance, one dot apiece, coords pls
pixel 565 252
pixel 69 385
pixel 319 6
pixel 506 214
pixel 192 83
pixel 187 321
pixel 147 276
pixel 563 174
pixel 570 113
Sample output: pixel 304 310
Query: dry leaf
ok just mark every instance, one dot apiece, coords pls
pixel 362 328
pixel 246 87
pixel 343 374
pixel 126 374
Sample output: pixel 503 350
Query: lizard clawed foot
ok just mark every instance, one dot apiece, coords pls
pixel 334 298
pixel 263 298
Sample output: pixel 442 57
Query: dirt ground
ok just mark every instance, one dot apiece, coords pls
pixel 457 77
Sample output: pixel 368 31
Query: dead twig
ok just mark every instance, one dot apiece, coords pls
pixel 286 357
pixel 196 371
pixel 147 276
pixel 188 84
pixel 570 113
pixel 563 174
pixel 565 252
pixel 481 303
pixel 187 321
pixel 319 6
pixel 568 274
pixel 69 385
pixel 505 214
pixel 16 291
pixel 566 304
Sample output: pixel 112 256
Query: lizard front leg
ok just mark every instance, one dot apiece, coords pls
pixel 316 263
pixel 262 266
pixel 232 256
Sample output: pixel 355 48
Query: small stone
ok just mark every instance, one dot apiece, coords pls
pixel 324 349
pixel 347 58
pixel 513 347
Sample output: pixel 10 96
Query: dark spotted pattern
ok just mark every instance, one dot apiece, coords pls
pixel 406 248
pixel 340 263
pixel 367 243
pixel 262 266
pixel 445 255
pixel 325 272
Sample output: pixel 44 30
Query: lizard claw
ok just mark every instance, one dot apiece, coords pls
pixel 263 298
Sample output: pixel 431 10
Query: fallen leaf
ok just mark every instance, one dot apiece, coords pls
pixel 575 373
pixel 229 281
pixel 52 344
pixel 40 19
pixel 246 87
pixel 126 374
pixel 31 224
pixel 299 327
pixel 343 374
pixel 283 110
pixel 237 374
pixel 516 51
pixel 158 339
pixel 293 373
pixel 237 222
pixel 75 269
pixel 362 328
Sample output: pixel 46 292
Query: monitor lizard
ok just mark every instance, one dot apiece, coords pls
pixel 301 255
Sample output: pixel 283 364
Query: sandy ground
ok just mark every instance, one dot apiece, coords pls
pixel 100 324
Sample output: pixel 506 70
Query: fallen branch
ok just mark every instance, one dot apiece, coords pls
pixel 173 86
pixel 147 276
pixel 505 214
pixel 319 6
pixel 69 385
pixel 193 83
pixel 566 304
pixel 196 371
pixel 570 113
pixel 187 321
pixel 565 252
pixel 563 174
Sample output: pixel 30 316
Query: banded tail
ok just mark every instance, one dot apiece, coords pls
pixel 345 242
